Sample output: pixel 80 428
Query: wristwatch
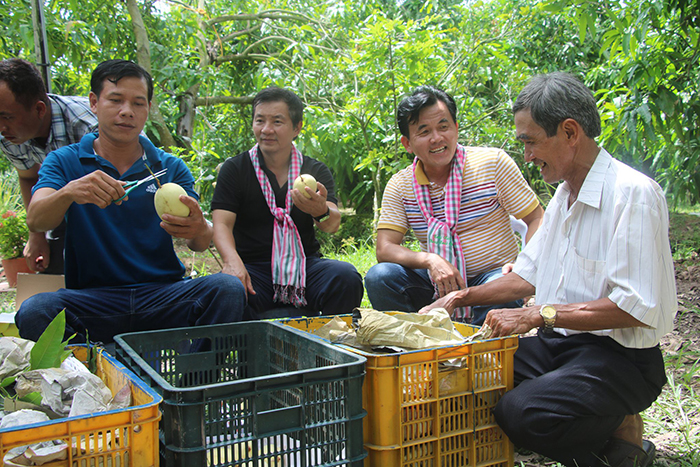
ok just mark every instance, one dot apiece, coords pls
pixel 549 315
pixel 322 217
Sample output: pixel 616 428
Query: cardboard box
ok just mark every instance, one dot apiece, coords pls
pixel 32 284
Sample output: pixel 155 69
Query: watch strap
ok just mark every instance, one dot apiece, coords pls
pixel 323 216
pixel 548 320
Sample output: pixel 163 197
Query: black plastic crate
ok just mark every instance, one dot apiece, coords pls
pixel 251 394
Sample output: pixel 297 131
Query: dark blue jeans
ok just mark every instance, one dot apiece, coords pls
pixel 101 313
pixel 332 288
pixel 393 287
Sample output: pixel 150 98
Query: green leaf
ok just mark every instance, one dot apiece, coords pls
pixel 583 20
pixel 32 398
pixel 626 43
pixel 666 101
pixel 553 7
pixel 49 349
pixel 643 111
pixel 591 25
pixel 7 381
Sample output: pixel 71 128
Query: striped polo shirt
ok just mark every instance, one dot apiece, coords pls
pixel 492 188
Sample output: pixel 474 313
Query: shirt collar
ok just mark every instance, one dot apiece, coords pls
pixel 153 156
pixel 592 189
pixel 421 177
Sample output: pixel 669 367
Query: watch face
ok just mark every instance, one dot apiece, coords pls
pixel 548 311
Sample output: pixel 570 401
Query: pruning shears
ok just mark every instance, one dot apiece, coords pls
pixel 134 183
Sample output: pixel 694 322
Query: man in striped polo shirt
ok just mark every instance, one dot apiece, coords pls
pixel 457 201
pixel 34 123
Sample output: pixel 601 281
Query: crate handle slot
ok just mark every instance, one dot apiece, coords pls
pixel 272 422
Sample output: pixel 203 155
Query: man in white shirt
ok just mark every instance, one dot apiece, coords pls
pixel 601 270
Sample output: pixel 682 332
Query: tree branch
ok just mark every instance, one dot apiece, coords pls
pixel 267 14
pixel 242 32
pixel 216 100
pixel 263 40
pixel 235 57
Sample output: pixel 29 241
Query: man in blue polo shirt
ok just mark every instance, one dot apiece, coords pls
pixel 122 273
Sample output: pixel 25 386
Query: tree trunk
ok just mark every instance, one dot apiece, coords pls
pixel 143 56
pixel 185 124
pixel 188 101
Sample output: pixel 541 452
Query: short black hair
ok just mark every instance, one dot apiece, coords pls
pixel 114 70
pixel 423 96
pixel 275 94
pixel 24 80
pixel 554 97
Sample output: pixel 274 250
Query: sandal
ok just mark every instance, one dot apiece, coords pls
pixel 621 453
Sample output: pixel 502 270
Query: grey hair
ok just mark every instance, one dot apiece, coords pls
pixel 554 97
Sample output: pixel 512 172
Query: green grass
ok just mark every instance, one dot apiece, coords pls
pixel 688 209
pixel 362 257
pixel 685 235
pixel 10 195
pixel 7 301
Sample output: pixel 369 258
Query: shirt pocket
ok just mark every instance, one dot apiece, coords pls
pixel 591 274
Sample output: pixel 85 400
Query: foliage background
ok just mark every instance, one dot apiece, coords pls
pixel 351 62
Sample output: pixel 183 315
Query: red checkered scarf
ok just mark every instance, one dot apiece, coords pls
pixel 288 257
pixel 442 235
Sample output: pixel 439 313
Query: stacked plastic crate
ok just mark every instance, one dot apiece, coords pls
pixel 432 408
pixel 251 394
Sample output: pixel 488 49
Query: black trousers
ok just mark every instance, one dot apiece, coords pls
pixel 56 239
pixel 332 287
pixel 571 393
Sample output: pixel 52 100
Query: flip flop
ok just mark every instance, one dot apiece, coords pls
pixel 620 453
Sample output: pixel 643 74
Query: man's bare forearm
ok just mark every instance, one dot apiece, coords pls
pixel 399 254
pixel 502 290
pixel 47 209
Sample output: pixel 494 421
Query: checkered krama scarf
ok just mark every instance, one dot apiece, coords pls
pixel 288 257
pixel 442 235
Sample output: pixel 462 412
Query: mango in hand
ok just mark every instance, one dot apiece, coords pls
pixel 305 180
pixel 167 200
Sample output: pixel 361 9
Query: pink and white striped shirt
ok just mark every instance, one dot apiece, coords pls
pixel 492 188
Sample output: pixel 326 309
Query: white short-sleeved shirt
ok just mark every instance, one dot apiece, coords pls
pixel 612 242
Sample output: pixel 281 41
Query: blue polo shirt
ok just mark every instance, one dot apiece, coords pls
pixel 123 245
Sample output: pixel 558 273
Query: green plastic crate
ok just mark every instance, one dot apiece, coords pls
pixel 264 395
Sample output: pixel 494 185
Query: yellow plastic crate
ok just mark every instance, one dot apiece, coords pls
pixel 116 438
pixel 9 330
pixel 421 413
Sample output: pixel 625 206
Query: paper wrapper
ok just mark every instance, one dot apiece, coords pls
pixel 71 393
pixel 379 331
pixel 35 454
pixel 14 356
pixel 409 330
